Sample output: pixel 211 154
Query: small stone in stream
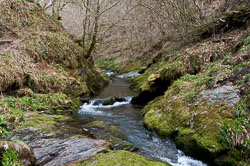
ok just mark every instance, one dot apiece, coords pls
pixel 98 102
pixel 109 101
pixel 120 99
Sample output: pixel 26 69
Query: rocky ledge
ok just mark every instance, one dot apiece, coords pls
pixel 50 152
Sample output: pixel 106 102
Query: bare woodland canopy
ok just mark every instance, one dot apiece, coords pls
pixel 132 25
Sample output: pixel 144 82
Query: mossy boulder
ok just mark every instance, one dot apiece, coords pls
pixel 124 158
pixel 111 133
pixel 112 100
pixel 195 120
pixel 95 124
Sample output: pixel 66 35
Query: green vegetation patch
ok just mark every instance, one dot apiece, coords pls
pixel 124 158
pixel 26 111
pixel 9 158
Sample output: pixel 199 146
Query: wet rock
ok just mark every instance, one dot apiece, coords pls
pixel 25 152
pixel 49 152
pixel 112 100
pixel 224 95
pixel 109 101
pixel 120 99
pixel 31 134
pixel 118 140
pixel 98 102
pixel 95 124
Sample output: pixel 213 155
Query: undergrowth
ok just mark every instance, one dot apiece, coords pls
pixel 10 158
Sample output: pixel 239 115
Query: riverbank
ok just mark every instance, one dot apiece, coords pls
pixel 197 94
pixel 43 74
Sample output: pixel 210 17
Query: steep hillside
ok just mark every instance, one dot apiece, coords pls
pixel 42 71
pixel 198 93
pixel 206 113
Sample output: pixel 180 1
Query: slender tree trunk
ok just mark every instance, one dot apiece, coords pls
pixel 85 21
pixel 96 27
pixel 53 9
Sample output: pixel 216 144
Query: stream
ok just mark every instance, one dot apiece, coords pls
pixel 128 119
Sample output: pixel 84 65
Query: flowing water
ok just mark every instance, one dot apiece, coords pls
pixel 128 119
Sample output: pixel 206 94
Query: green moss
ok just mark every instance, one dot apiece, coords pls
pixel 158 123
pixel 42 122
pixel 190 96
pixel 124 158
pixel 182 114
pixel 96 124
pixel 232 158
pixel 117 132
pixel 135 66
pixel 76 103
pixel 4 132
pixel 119 144
pixel 110 133
pixel 49 103
pixel 109 101
pixel 61 118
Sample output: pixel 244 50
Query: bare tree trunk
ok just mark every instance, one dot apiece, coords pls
pixel 53 8
pixel 96 27
pixel 85 22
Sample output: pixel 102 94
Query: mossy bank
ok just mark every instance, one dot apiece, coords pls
pixel 203 98
pixel 43 72
pixel 121 158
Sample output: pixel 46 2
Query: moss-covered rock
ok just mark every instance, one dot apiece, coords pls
pixel 193 122
pixel 95 124
pixel 110 133
pixel 109 101
pixel 124 158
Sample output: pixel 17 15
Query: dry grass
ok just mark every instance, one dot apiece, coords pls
pixel 41 55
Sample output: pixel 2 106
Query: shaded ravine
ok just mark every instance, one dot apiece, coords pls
pixel 129 120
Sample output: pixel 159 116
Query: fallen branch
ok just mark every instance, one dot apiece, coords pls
pixel 5 41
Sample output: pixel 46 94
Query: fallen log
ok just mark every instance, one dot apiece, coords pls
pixel 5 42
